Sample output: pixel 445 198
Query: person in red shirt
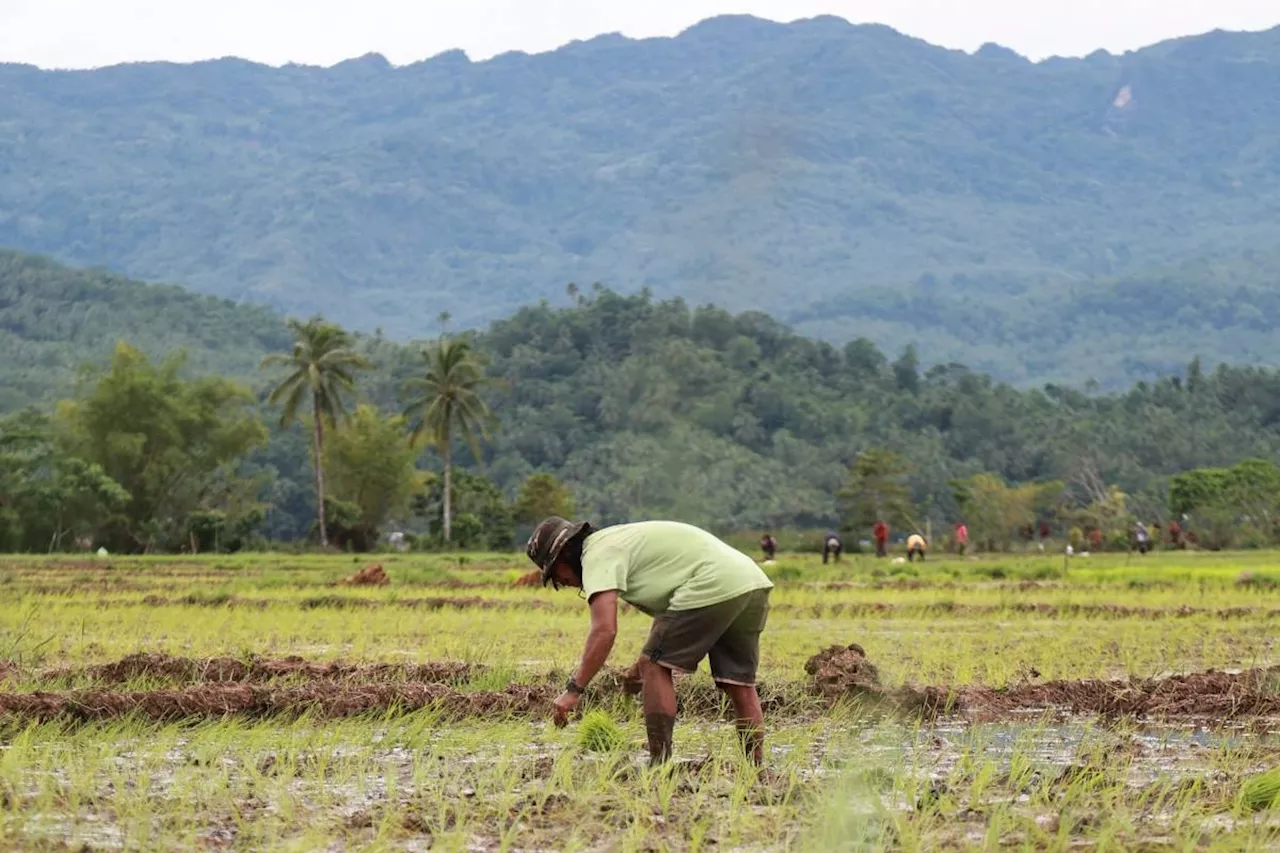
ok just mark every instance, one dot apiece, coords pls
pixel 881 534
pixel 962 538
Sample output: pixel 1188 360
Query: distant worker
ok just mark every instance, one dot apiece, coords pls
pixel 769 546
pixel 915 547
pixel 1175 534
pixel 881 534
pixel 1142 537
pixel 831 547
pixel 962 538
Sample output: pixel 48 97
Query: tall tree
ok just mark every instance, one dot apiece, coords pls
pixel 542 495
pixel 48 498
pixel 322 367
pixel 371 467
pixel 445 399
pixel 167 441
pixel 876 491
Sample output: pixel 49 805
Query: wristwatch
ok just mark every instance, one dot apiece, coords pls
pixel 573 688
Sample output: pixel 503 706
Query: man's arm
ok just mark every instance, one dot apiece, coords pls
pixel 604 630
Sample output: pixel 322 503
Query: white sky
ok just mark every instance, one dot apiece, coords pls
pixel 87 33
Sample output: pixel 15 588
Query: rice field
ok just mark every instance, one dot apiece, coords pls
pixel 255 702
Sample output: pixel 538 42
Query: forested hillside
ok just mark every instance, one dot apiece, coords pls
pixel 1022 217
pixel 651 408
pixel 54 320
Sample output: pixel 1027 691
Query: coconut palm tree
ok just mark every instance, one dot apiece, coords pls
pixel 322 367
pixel 444 401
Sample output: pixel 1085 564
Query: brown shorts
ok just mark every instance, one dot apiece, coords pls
pixel 729 632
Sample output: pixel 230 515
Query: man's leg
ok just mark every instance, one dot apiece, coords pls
pixel 749 719
pixel 678 642
pixel 735 659
pixel 659 698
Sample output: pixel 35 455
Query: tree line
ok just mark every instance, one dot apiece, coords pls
pixel 626 407
pixel 143 459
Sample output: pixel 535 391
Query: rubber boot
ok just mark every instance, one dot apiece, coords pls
pixel 660 728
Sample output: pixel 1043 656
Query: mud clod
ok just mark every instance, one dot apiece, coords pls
pixel 533 578
pixel 372 575
pixel 843 671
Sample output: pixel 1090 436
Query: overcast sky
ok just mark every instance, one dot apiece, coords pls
pixel 86 33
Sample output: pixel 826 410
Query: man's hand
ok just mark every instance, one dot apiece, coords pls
pixel 632 682
pixel 563 707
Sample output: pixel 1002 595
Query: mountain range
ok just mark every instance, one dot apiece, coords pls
pixel 1073 219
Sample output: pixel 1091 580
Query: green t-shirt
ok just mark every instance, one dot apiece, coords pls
pixel 665 565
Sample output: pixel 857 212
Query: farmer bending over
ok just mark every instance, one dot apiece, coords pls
pixel 705 598
pixel 831 546
pixel 916 546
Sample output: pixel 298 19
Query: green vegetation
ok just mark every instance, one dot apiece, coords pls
pixel 445 402
pixel 1261 792
pixel 323 368
pixel 54 319
pixel 172 445
pixel 1018 217
pixel 371 465
pixel 626 407
pixel 599 732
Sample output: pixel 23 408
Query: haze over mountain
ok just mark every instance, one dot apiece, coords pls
pixel 1071 219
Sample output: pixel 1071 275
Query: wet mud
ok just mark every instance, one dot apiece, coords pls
pixel 255 700
pixel 1214 695
pixel 837 675
pixel 236 670
pixel 844 673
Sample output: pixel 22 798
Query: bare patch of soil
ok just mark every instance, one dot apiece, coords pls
pixel 844 672
pixel 372 575
pixel 235 670
pixel 252 700
pixel 222 686
pixel 1217 695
